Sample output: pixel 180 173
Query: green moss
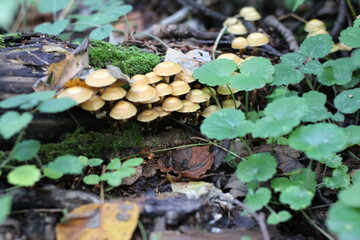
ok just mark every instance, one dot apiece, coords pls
pixel 12 35
pixel 131 60
pixel 94 144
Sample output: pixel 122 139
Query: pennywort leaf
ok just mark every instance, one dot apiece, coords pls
pixel 317 46
pixel 256 167
pixel 24 176
pixel 217 72
pixel 348 101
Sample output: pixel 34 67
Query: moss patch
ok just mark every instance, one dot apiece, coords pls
pixel 131 60
pixel 12 35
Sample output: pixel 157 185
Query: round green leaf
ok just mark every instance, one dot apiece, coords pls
pixel 337 71
pixel 226 124
pixel 26 150
pixel 276 218
pixel 286 74
pixel 52 174
pixel 333 161
pixel 12 122
pixel 101 32
pixel 355 178
pixel 52 28
pixel 312 67
pixel 297 197
pixel 133 162
pixel 351 37
pixel 317 111
pixel 258 200
pixel 67 164
pixel 93 162
pixel 351 196
pixel 256 167
pixel 24 176
pixel 217 72
pixel 91 179
pixel 318 141
pixel 15 101
pixel 348 101
pixel 317 46
pixel 52 6
pixel 294 59
pixel 57 105
pixel 339 179
pixel 36 98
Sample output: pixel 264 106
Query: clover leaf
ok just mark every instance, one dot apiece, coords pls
pixel 297 197
pixel 319 140
pixel 317 111
pixel 24 176
pixel 217 72
pixel 12 122
pixel 339 179
pixel 256 201
pixel 101 32
pixel 317 46
pixel 54 28
pixel 276 218
pixel 226 124
pixel 256 167
pixel 281 116
pixel 348 101
pixel 286 74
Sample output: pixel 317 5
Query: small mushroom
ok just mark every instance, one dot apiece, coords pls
pixel 229 103
pixel 198 96
pixel 314 25
pixel 224 90
pixel 113 93
pixel 123 110
pixel 179 88
pixel 100 78
pixel 171 104
pixel 167 69
pixel 252 16
pixel 209 110
pixel 93 104
pixel 256 40
pixel 237 29
pixel 232 57
pixel 140 93
pixel 240 43
pixel 246 10
pixel 230 21
pixel 147 116
pixel 153 78
pixel 78 94
pixel 161 112
pixel 183 76
pixel 139 78
pixel 188 106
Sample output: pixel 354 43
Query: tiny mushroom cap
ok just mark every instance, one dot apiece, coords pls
pixel 237 29
pixel 230 21
pixel 239 43
pixel 161 112
pixel 140 93
pixel 257 39
pixel 188 106
pixel 123 110
pixel 139 78
pixel 93 104
pixel 245 10
pixel 78 94
pixel 197 96
pixel 113 93
pixel 147 116
pixel 163 89
pixel 182 76
pixel 167 69
pixel 171 104
pixel 229 103
pixel 153 78
pixel 180 88
pixel 209 90
pixel 209 110
pixel 153 100
pixel 320 31
pixel 314 25
pixel 224 90
pixel 100 78
pixel 231 56
pixel 252 16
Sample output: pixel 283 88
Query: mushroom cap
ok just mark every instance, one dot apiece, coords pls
pixel 123 110
pixel 113 93
pixel 147 116
pixel 167 69
pixel 78 94
pixel 139 78
pixel 237 29
pixel 188 106
pixel 314 25
pixel 140 93
pixel 245 10
pixel 171 104
pixel 320 31
pixel 257 39
pixel 209 90
pixel 252 16
pixel 229 103
pixel 180 88
pixel 100 78
pixel 239 43
pixel 92 104
pixel 197 96
pixel 230 21
pixel 163 89
pixel 153 78
pixel 224 90
pixel 231 56
pixel 156 98
pixel 161 112
pixel 209 110
pixel 183 76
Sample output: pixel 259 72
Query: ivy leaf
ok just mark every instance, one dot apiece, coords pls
pixel 352 135
pixel 5 203
pixel 281 116
pixel 319 140
pixel 339 179
pixel 91 179
pixel 286 74
pixel 351 37
pixel 297 197
pixel 317 46
pixel 66 164
pixel 276 218
pixel 254 73
pixel 294 59
pixel 24 176
pixel 52 6
pixel 256 201
pixel 256 167
pixel 337 71
pixel 312 67
pixel 317 111
pixel 57 105
pixel 101 32
pixel 226 124
pixel 12 122
pixel 54 28
pixel 217 72
pixel 26 150
pixel 348 101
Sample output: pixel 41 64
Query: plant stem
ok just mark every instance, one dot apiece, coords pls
pixel 351 7
pixel 142 231
pixel 217 145
pixel 312 223
pixel 246 145
pixel 221 33
pixel 18 139
pixel 309 83
pixel 246 103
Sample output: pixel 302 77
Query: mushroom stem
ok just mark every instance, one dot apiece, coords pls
pixel 167 79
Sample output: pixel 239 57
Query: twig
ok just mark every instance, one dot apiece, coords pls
pixel 351 7
pixel 213 50
pixel 340 19
pixel 312 223
pixel 203 9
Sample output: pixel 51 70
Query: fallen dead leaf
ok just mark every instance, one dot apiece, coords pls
pixel 99 222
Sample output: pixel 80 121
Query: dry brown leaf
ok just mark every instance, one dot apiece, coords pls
pixel 100 221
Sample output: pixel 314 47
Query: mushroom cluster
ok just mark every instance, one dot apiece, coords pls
pixel 147 97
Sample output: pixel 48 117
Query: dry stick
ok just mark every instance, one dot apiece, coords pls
pixel 351 7
pixel 273 22
pixel 203 9
pixel 340 19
